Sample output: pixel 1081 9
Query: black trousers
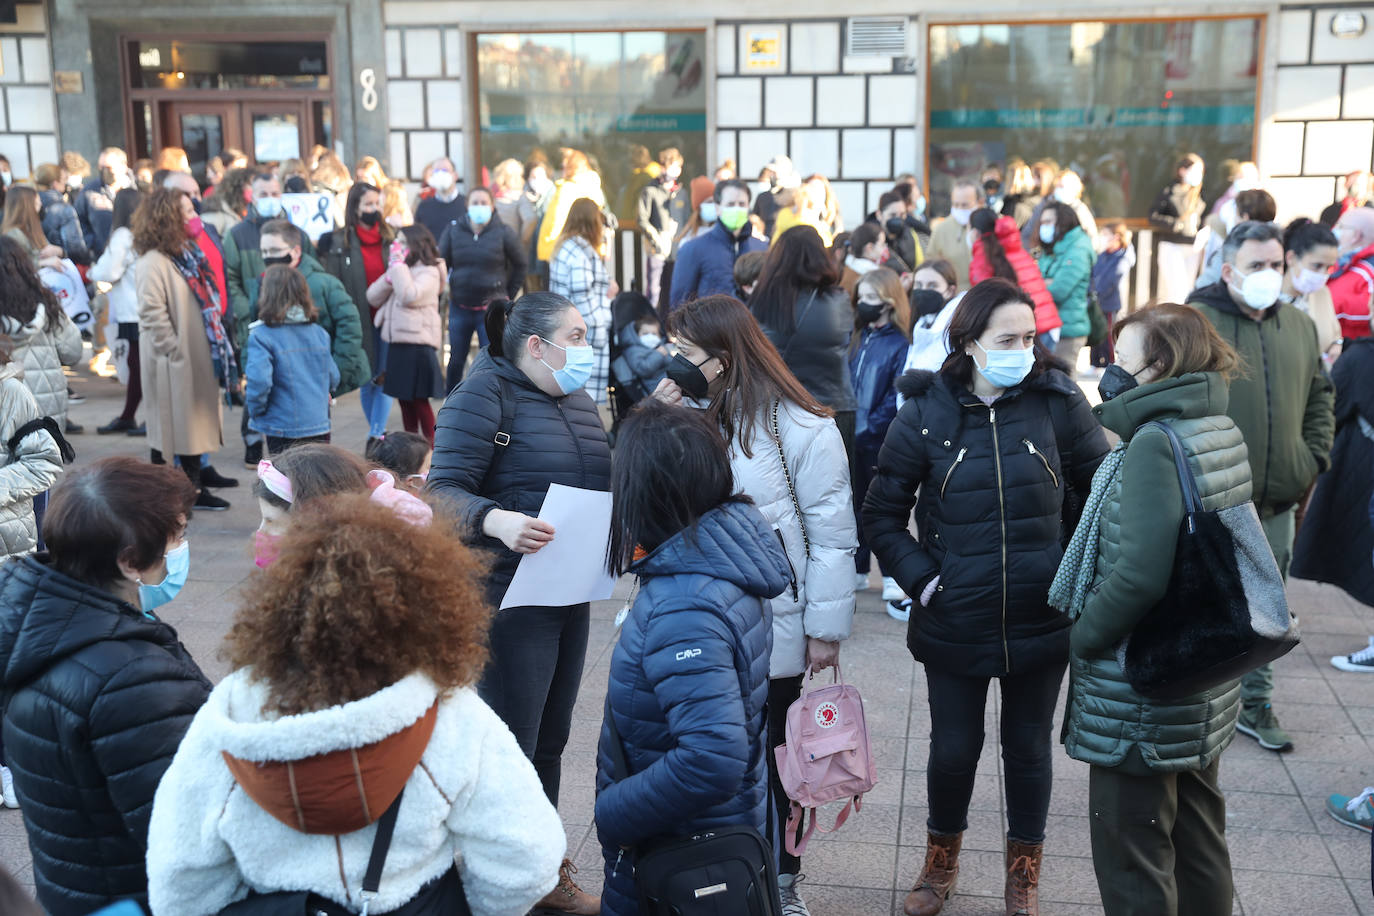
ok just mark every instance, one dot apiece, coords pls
pixel 532 677
pixel 957 703
pixel 782 693
pixel 1159 842
pixel 278 444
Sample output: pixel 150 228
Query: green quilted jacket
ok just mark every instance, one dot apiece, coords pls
pixel 1108 724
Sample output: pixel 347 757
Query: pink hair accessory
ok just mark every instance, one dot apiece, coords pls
pixel 384 493
pixel 274 480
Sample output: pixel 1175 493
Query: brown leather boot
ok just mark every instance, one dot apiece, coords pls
pixel 1023 878
pixel 567 897
pixel 941 873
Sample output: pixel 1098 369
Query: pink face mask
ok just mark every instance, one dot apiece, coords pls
pixel 266 548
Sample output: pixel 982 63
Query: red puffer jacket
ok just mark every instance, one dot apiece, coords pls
pixel 1351 286
pixel 1027 274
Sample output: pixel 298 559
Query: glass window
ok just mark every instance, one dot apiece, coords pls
pixel 605 93
pixel 1118 102
pixel 167 64
pixel 276 137
pixel 202 136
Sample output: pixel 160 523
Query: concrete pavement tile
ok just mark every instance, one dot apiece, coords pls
pixel 1329 747
pixel 1070 797
pixel 1364 900
pixel 874 824
pixel 1268 812
pixel 888 789
pixel 890 753
pixel 1240 772
pixel 1269 893
pixel 577 804
pixel 1299 718
pixel 981 873
pixel 986 829
pixel 1352 689
pixel 1067 835
pixel 11 822
pixel 1350 851
pixel 987 791
pixel 1295 853
pixel 847 864
pixel 14 847
pixel 1363 717
pixel 1302 690
pixel 842 901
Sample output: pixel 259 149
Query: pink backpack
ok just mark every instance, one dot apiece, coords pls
pixel 827 756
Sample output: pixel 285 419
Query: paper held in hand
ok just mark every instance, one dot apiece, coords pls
pixel 571 568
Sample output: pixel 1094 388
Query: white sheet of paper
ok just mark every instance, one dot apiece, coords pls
pixel 571 568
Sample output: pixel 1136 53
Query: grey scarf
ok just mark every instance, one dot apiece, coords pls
pixel 1069 591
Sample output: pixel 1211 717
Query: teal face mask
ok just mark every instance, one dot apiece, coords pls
pixel 576 371
pixel 178 568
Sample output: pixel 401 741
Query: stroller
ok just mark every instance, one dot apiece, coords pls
pixel 626 388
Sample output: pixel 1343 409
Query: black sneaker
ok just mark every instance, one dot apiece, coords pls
pixel 140 430
pixel 117 425
pixel 209 477
pixel 210 502
pixel 252 454
pixel 74 428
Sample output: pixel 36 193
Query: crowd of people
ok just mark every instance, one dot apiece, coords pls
pixel 784 396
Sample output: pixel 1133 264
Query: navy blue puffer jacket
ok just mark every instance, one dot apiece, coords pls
pixel 96 697
pixel 688 682
pixel 874 368
pixel 552 440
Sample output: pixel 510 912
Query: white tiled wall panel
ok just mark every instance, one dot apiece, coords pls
pixel 453 56
pixel 725 146
pixel 445 103
pixel 395 59
pixel 9 54
pixel 424 56
pixel 1328 49
pixel 739 102
pixel 15 148
pixel 1301 196
pixel 850 194
pixel 1295 36
pixel 455 148
pixel 815 47
pixel 1282 151
pixel 43 148
pixel 816 151
pixel 892 100
pixel 425 147
pixel 867 153
pixel 904 152
pixel 840 101
pixel 866 64
pixel 31 109
pixel 725 49
pixel 1307 92
pixel 405 103
pixel 1359 92
pixel 1336 147
pixel 398 167
pixel 37 68
pixel 787 101
pixel 756 147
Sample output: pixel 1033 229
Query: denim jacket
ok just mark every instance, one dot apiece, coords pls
pixel 290 376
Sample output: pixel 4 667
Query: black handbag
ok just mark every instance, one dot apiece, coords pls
pixel 441 897
pixel 724 871
pixel 1225 612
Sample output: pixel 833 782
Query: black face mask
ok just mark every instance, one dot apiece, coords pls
pixel 279 259
pixel 689 377
pixel 926 302
pixel 370 219
pixel 1115 382
pixel 869 312
pixel 894 227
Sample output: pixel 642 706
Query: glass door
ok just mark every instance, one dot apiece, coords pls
pixel 203 129
pixel 276 130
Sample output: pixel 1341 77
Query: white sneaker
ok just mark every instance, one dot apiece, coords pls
pixel 1362 660
pixel 7 796
pixel 891 590
pixel 792 904
pixel 860 582
pixel 899 610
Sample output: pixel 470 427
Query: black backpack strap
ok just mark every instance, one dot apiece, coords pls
pixel 381 843
pixel 43 423
pixel 502 438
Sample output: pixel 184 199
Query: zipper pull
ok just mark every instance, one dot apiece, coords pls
pixel 618 856
pixel 1030 446
pixel 992 414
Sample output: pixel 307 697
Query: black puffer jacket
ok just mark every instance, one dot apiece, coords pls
pixel 992 494
pixel 482 266
pixel 96 698
pixel 817 352
pixel 552 440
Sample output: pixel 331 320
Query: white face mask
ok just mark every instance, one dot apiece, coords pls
pixel 1193 177
pixel 1309 281
pixel 1260 289
pixel 441 180
pixel 960 215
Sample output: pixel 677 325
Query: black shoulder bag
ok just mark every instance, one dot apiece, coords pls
pixel 725 871
pixel 1225 612
pixel 441 897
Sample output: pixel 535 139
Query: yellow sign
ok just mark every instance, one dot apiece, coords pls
pixel 763 49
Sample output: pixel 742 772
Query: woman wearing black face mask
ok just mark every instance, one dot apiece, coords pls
pixel 356 254
pixel 1158 815
pixel 787 455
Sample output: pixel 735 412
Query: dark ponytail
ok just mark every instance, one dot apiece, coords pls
pixel 510 323
pixel 984 222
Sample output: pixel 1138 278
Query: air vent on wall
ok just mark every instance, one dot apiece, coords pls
pixel 877 36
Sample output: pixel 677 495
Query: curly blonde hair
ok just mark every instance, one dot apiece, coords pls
pixel 357 600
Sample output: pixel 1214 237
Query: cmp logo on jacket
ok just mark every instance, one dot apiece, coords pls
pixel 688 653
pixel 827 714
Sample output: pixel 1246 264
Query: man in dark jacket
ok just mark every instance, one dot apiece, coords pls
pixel 664 207
pixel 436 212
pixel 706 265
pixel 485 261
pixel 95 200
pixel 283 243
pixel 1283 404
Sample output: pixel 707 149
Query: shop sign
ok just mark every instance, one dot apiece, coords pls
pixel 763 49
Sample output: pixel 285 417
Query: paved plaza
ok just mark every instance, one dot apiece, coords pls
pixel 1289 856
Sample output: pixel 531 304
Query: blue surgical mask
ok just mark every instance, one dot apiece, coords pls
pixel 479 214
pixel 178 568
pixel 708 211
pixel 1047 231
pixel 1006 368
pixel 577 369
pixel 650 341
pixel 268 207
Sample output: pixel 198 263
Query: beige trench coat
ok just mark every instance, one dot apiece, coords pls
pixel 182 403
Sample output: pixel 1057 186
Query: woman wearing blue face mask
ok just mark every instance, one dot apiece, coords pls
pixel 99 691
pixel 1065 257
pixel 521 421
pixel 992 441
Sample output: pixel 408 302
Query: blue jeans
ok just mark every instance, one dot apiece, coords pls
pixel 376 405
pixel 461 325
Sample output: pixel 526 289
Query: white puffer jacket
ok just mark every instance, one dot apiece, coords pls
pixel 472 796
pixel 43 353
pixel 823 607
pixel 33 468
pixel 116 268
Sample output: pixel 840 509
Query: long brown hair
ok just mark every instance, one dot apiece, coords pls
pixel 885 282
pixel 351 220
pixel 797 263
pixel 755 375
pixel 21 291
pixel 420 245
pixel 21 212
pixel 1179 340
pixel 283 286
pixel 158 225
pixel 584 222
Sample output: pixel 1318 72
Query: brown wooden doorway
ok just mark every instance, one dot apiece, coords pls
pixel 266 131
